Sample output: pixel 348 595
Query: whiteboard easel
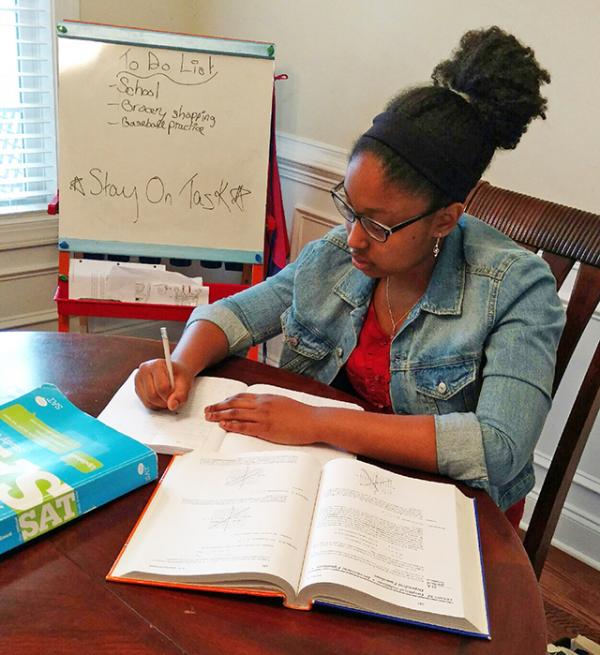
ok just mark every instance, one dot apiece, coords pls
pixel 163 147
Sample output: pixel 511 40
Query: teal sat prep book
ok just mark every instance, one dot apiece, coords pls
pixel 57 463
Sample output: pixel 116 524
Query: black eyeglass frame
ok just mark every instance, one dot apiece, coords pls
pixel 353 216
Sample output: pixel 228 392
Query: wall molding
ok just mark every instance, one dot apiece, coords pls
pixel 577 532
pixel 28 231
pixel 132 328
pixel 33 270
pixel 28 319
pixel 309 162
pixel 308 224
pixel 581 478
pixel 578 529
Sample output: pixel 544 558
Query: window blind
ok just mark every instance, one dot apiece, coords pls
pixel 27 106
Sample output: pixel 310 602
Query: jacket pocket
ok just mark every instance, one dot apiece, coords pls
pixel 302 346
pixel 448 387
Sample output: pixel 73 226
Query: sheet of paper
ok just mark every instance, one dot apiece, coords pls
pixel 388 536
pixel 134 282
pixel 186 430
pixel 155 286
pixel 213 516
pixel 88 277
pixel 169 432
pixel 302 397
pixel 236 444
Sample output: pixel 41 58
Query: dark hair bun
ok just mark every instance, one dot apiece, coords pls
pixel 501 79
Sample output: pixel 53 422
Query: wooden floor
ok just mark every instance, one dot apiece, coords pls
pixel 571 592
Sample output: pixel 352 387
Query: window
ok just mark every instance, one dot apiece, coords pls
pixel 27 106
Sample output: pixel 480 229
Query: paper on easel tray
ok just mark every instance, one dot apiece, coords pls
pixel 88 277
pixel 158 287
pixel 132 282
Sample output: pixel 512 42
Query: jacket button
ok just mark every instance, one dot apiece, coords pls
pixel 339 352
pixel 293 341
pixel 441 387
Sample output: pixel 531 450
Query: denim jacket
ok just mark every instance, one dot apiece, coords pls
pixel 477 351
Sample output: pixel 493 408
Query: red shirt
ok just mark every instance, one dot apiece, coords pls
pixel 368 367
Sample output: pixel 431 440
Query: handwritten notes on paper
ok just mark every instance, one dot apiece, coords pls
pixel 163 147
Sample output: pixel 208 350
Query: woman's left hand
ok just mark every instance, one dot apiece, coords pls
pixel 270 417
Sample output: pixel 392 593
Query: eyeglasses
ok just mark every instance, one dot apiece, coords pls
pixel 374 229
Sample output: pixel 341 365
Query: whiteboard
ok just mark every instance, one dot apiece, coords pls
pixel 163 143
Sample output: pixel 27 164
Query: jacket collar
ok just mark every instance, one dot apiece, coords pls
pixel 355 287
pixel 444 294
pixel 446 289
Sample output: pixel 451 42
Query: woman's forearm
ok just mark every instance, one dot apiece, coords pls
pixel 201 345
pixel 404 440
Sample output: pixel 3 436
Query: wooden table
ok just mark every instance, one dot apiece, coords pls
pixel 54 597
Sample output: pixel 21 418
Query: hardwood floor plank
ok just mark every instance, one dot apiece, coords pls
pixel 571 593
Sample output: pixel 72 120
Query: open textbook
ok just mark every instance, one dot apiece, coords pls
pixel 187 429
pixel 344 533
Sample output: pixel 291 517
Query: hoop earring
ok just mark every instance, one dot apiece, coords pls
pixel 436 248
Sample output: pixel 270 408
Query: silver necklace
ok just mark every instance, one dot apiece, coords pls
pixel 397 323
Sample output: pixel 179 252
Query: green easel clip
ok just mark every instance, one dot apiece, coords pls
pixel 271 50
pixel 61 28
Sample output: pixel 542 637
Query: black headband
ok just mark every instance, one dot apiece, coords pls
pixel 402 135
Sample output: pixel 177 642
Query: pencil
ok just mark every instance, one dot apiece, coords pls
pixel 167 349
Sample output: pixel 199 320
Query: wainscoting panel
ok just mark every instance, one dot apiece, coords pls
pixel 28 271
pixel 308 225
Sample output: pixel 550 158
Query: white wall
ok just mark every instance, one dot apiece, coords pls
pixel 166 15
pixel 346 58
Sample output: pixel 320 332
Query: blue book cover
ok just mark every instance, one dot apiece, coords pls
pixel 57 463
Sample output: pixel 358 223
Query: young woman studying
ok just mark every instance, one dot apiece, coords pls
pixel 440 321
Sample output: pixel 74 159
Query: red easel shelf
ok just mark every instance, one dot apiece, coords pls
pixel 113 309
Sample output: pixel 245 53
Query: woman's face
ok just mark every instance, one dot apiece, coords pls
pixel 407 250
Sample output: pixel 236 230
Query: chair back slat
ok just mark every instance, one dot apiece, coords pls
pixel 563 467
pixel 559 265
pixel 582 303
pixel 565 236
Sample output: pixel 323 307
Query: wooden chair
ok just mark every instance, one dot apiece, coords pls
pixel 567 237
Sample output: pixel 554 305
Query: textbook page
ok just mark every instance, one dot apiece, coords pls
pixel 226 520
pixel 386 537
pixel 186 430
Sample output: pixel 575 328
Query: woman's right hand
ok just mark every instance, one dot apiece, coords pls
pixel 154 389
pixel 202 344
